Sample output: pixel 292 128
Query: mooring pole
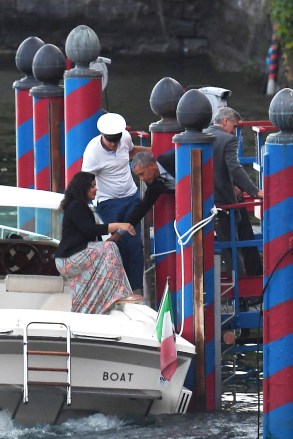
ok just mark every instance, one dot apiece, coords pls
pixel 48 68
pixel 83 97
pixel 194 202
pixel 24 125
pixel 278 271
pixel 164 99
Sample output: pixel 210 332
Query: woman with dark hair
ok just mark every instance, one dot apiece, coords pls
pixel 93 267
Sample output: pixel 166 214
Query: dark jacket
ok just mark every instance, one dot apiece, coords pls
pixel 155 189
pixel 78 229
pixel 227 168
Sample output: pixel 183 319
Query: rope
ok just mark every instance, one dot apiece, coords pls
pixel 189 233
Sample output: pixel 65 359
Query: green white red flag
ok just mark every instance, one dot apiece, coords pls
pixel 166 335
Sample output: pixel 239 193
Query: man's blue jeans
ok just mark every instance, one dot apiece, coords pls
pixel 131 249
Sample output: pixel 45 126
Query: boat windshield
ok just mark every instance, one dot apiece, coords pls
pixel 30 223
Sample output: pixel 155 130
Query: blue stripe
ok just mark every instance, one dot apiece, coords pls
pixel 42 153
pixel 165 240
pixel 282 288
pixel 210 355
pixel 188 302
pixel 78 137
pixel 279 158
pixel 25 138
pixel 278 423
pixel 72 84
pixel 278 215
pixel 279 355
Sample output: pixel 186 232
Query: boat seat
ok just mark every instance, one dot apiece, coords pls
pixel 34 283
pixel 58 302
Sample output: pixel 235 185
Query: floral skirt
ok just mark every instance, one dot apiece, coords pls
pixel 96 276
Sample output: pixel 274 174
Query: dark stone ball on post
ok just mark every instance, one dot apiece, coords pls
pixel 194 112
pixel 48 67
pixel 281 115
pixel 163 101
pixel 24 62
pixel 82 46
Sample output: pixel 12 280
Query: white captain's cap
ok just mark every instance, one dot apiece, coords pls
pixel 111 124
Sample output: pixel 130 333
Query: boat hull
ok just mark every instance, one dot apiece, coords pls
pixel 113 372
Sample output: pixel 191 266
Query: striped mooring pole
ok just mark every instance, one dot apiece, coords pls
pixel 163 101
pixel 24 125
pixel 195 259
pixel 278 274
pixel 83 96
pixel 48 112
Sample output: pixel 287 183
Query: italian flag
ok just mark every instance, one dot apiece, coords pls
pixel 166 336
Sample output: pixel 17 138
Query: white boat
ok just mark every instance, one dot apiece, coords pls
pixel 56 364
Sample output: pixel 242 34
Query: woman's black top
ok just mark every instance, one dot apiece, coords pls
pixel 78 229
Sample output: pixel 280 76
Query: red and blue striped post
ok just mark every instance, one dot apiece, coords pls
pixel 278 273
pixel 273 64
pixel 24 125
pixel 164 99
pixel 48 67
pixel 83 97
pixel 195 260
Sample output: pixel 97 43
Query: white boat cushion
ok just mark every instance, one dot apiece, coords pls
pixel 58 302
pixel 34 283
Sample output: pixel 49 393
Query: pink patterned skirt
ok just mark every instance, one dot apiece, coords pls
pixel 96 276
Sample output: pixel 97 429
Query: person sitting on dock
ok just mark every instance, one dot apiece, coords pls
pixel 93 267
pixel 229 173
pixel 107 156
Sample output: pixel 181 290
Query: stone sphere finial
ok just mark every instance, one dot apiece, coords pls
pixel 281 115
pixel 49 64
pixel 165 97
pixel 281 110
pixel 25 54
pixel 82 46
pixel 194 110
pixel 163 101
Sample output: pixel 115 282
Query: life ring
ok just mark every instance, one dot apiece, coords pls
pixel 21 258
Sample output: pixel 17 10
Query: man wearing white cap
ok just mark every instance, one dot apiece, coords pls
pixel 107 156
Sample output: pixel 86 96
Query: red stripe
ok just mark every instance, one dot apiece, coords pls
pixel 278 321
pixel 161 143
pixel 25 170
pixel 208 186
pixel 279 188
pixel 72 170
pixel 164 210
pixel 43 180
pixel 83 103
pixel 24 107
pixel 210 391
pixel 183 197
pixel 187 266
pixel 208 250
pixel 274 249
pixel 41 122
pixel 278 389
pixel 188 331
pixel 165 268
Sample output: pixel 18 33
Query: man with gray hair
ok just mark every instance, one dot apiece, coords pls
pixel 159 177
pixel 228 173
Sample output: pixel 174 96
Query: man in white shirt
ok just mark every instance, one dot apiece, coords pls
pixel 107 156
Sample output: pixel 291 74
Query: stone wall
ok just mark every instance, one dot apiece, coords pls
pixel 232 32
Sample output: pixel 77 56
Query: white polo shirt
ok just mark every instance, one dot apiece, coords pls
pixel 112 169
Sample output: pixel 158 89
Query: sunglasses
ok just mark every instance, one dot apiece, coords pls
pixel 114 138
